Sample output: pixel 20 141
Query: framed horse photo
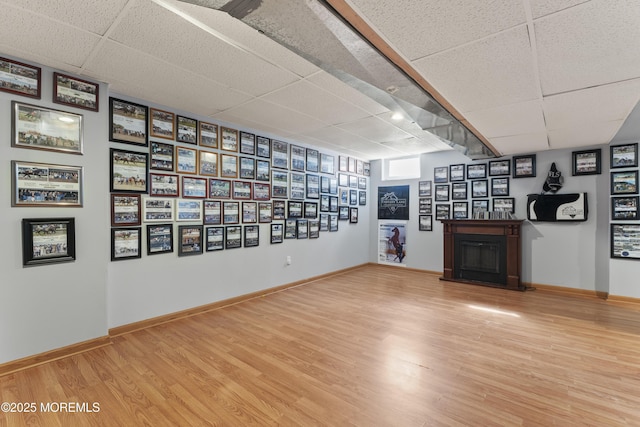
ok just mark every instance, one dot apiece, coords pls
pixel 128 171
pixel 48 241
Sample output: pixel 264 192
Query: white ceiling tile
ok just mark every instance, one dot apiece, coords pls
pixel 511 119
pixel 521 144
pixel 594 134
pixel 337 136
pixel 546 7
pixel 374 129
pixel 420 28
pixel 490 72
pixel 588 45
pixel 346 92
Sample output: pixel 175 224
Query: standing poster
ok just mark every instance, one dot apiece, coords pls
pixel 392 242
pixel 393 202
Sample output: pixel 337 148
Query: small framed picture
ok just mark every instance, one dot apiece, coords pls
pixel 478 206
pixel 186 160
pixel 187 130
pixel 233 237
pixel 279 210
pixel 351 162
pixel 75 92
pixel 353 181
pixel 362 198
pixel 159 239
pixel 425 223
pixel 279 154
pixel 125 210
pixel 43 128
pixel 163 124
pixel 190 240
pixel 343 163
pixel 587 162
pixel 242 190
pixel 367 169
pixel 188 210
pixel 294 209
pixel 41 184
pixel 277 233
pixel 279 184
pixel 297 186
pixel 327 163
pixel 208 133
pixel 324 222
pixel 460 210
pixel 362 183
pixel 441 174
pixel 424 206
pixel 290 228
pixel 624 182
pixel 302 229
pixel 231 212
pixel 263 147
pixel 424 188
pixel 247 168
pixel 251 236
pixel 524 166
pixel 312 160
pixel 27 76
pixel 215 238
pixel 353 197
pixel 212 212
pixel 207 163
pixel 479 188
pixel 343 213
pixel 310 210
pixel 624 208
pixel 459 191
pixel 298 156
pixel 249 212
pixel 261 191
pixel 263 170
pixel 456 173
pixel 128 122
pixel 313 186
pixel 442 193
pixel 500 187
pixel 625 241
pixel 353 215
pixel 624 156
pixel 128 170
pixel 359 167
pixel 265 212
pixel 504 204
pixel 126 243
pixel 228 166
pixel 443 211
pixel 247 143
pixel 324 202
pixel 157 210
pixel 314 228
pixel 500 167
pixel 229 139
pixel 162 156
pixel 333 222
pixel 476 171
pixel 48 241
pixel 219 188
pixel 194 188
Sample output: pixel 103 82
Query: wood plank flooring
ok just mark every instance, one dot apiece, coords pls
pixel 376 346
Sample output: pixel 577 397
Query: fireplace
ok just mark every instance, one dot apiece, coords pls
pixel 485 252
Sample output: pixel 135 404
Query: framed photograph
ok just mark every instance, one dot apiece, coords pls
pixel 125 210
pixel 442 192
pixel 310 210
pixel 208 135
pixel 314 228
pixel 424 188
pixel 233 237
pixel 164 185
pixel 424 206
pixel 443 211
pixel 290 228
pixel 41 184
pixel 343 180
pixel 441 174
pixel 126 243
pixel 353 215
pixel 188 210
pixel 159 239
pixel 157 210
pixel 625 241
pixel 247 143
pixel 48 241
pixel 194 188
pixel 343 196
pixel 367 169
pixel 624 156
pixel 313 186
pixel 298 156
pixel 277 233
pixel 265 212
pixel 359 167
pixel 333 185
pixel 587 162
pixel 500 167
pixel 475 171
pixel 20 79
pixel 128 122
pixel 294 209
pixel 460 210
pixel 333 221
pixel 75 92
pixel 251 236
pixel 456 173
pixel 247 168
pixel 212 212
pixel 324 203
pixel 478 206
pixel 297 186
pixel 624 182
pixel 229 139
pixel 215 238
pixel 261 191
pixel 302 229
pixel 161 156
pixel 279 210
pixel 343 213
pixel 263 170
pixel 219 188
pixel 353 197
pixel 351 163
pixel 459 191
pixel 362 183
pixel 500 187
pixel 624 208
pixel 242 190
pixel 279 154
pixel 362 198
pixel 207 163
pixel 504 204
pixel 279 184
pixel 324 222
pixel 263 147
pixel 163 124
pixel 231 212
pixel 249 212
pixel 333 204
pixel 229 166
pixel 524 166
pixel 324 184
pixel 327 164
pixel 187 160
pixel 353 181
pixel 479 188
pixel 425 223
pixel 45 129
pixel 343 163
pixel 190 239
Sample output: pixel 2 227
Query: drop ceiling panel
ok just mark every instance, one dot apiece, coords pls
pixel 494 71
pixel 584 136
pixel 421 28
pixel 374 129
pixel 520 144
pixel 337 136
pixel 545 7
pixel 30 32
pixel 346 92
pixel 511 119
pixel 591 44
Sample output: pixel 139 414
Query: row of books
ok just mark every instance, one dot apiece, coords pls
pixel 493 215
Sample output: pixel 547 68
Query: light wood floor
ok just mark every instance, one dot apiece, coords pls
pixel 376 346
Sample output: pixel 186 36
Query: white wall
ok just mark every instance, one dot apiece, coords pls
pixel 48 307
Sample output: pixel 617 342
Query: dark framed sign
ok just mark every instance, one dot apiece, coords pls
pixel 265 212
pixel 48 241
pixel 125 209
pixel 128 122
pixel 624 208
pixel 290 228
pixel 393 202
pixel 524 166
pixel 41 184
pixel 263 170
pixel 624 182
pixel 424 206
pixel 247 168
pixel 190 240
pixel 310 210
pixel 500 167
pixel 343 213
pixel 479 206
pixel 163 124
pixel 126 243
pixel 279 210
pixel 159 239
pixel 625 241
pixel 314 228
pixel 624 156
pixel 128 171
pixel 231 212
pixel 19 78
pixel 587 162
pixel 294 209
pixel 279 184
pixel 302 229
pixel 45 129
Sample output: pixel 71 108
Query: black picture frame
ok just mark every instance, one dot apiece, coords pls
pixel 313 186
pixel 362 198
pixel 586 162
pixel 624 182
pixel 302 229
pixel 503 204
pixel 442 192
pixel 279 210
pixel 476 171
pixel 277 233
pixel 126 243
pixel 75 92
pixel 456 173
pixel 212 212
pixel 624 156
pixel 524 166
pixel 312 160
pixel 128 171
pixel 159 239
pixel 291 228
pixel 425 223
pixel 624 208
pixel 314 228
pixel 353 215
pixel 190 238
pixel 251 236
pixel 460 210
pixel 500 186
pixel 443 211
pixel 215 239
pixel 424 206
pixel 425 188
pixel 459 191
pixel 500 167
pixel 162 156
pixel 263 147
pixel 294 209
pixel 310 210
pixel 128 122
pixel 48 241
pixel 478 206
pixel 126 210
pixel 343 213
pixel 233 237
pixel 297 157
pixel 479 188
pixel 247 143
pixel 440 174
pixel 625 241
